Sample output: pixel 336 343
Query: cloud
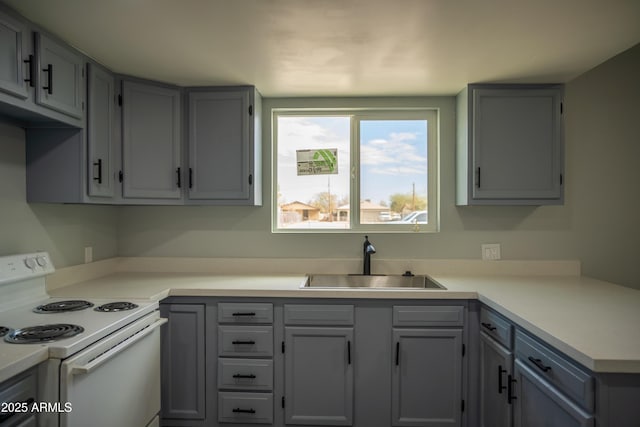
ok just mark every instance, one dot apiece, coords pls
pixel 399 154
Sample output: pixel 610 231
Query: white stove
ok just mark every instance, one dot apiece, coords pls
pixel 89 343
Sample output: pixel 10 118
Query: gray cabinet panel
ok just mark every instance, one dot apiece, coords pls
pixel 221 145
pixel 318 376
pixel 60 77
pixel 510 141
pixel 495 372
pixel 538 404
pixel 428 315
pixel 245 341
pixel 229 312
pixel 100 131
pixel 151 141
pixel 318 314
pixel 249 408
pixel 183 362
pixel 496 326
pixel 427 377
pixel 14 50
pixel 245 374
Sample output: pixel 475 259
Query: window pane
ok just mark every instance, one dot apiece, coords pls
pixel 393 171
pixel 313 172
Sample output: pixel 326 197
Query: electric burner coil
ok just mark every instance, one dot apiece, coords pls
pixel 63 306
pixel 43 333
pixel 116 306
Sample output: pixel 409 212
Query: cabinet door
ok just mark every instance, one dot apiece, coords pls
pixel 100 100
pixel 495 370
pixel 220 145
pixel 517 144
pixel 14 50
pixel 150 141
pixel 427 377
pixel 60 77
pixel 318 376
pixel 538 404
pixel 183 362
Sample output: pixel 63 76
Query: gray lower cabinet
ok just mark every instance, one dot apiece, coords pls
pixel 496 364
pixel 510 145
pixel 538 404
pixel 318 375
pixel 183 364
pixel 427 377
pixel 224 141
pixel 151 143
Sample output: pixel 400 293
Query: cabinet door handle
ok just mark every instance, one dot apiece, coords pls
pixel 179 178
pixel 240 342
pixel 49 86
pixel 250 179
pixel 478 180
pixel 248 313
pixel 190 178
pixel 489 326
pixel 31 64
pixel 510 396
pixel 244 411
pixel 348 352
pixel 398 353
pixel 250 376
pixel 500 385
pixel 539 364
pixel 99 165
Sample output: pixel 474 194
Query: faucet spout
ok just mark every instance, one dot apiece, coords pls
pixel 368 250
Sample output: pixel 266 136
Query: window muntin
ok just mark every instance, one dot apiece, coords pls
pixel 386 165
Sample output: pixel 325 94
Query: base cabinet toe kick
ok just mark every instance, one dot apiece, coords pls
pixel 244 361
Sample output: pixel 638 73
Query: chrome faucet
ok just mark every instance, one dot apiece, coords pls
pixel 368 250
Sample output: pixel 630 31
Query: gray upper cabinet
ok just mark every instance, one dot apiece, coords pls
pixel 60 76
pixel 224 146
pixel 151 143
pixel 100 131
pixel 15 48
pixel 510 145
pixel 427 377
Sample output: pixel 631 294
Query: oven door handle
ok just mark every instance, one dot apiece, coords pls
pixel 104 357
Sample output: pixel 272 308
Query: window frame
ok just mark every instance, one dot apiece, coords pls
pixel 356 115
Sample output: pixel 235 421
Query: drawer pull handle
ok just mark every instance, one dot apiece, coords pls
pixel 500 385
pixel 250 376
pixel 243 314
pixel 348 352
pixel 489 326
pixel 539 364
pixel 244 411
pixel 510 396
pixel 238 342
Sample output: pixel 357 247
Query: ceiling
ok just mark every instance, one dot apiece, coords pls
pixel 343 47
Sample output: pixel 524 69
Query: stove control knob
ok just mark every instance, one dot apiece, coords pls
pixel 30 263
pixel 42 261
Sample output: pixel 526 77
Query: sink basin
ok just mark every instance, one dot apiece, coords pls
pixel 381 281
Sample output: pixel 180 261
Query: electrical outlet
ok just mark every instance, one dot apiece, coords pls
pixel 88 254
pixel 491 252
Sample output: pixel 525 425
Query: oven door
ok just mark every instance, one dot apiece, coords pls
pixel 116 381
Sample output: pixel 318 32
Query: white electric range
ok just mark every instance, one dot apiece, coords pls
pixel 93 347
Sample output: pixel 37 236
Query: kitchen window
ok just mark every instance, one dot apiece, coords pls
pixel 382 162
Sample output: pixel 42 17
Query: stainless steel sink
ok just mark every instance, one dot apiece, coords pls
pixel 381 281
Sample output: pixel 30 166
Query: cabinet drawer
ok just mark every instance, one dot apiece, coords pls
pixel 245 374
pixel 569 378
pixel 253 408
pixel 496 326
pixel 240 341
pixel 444 315
pixel 229 312
pixel 310 314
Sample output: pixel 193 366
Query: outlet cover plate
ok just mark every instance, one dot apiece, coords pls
pixel 491 252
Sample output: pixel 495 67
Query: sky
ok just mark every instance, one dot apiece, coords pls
pixel 393 156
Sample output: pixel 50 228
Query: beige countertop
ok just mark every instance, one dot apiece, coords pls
pixel 15 358
pixel 593 322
